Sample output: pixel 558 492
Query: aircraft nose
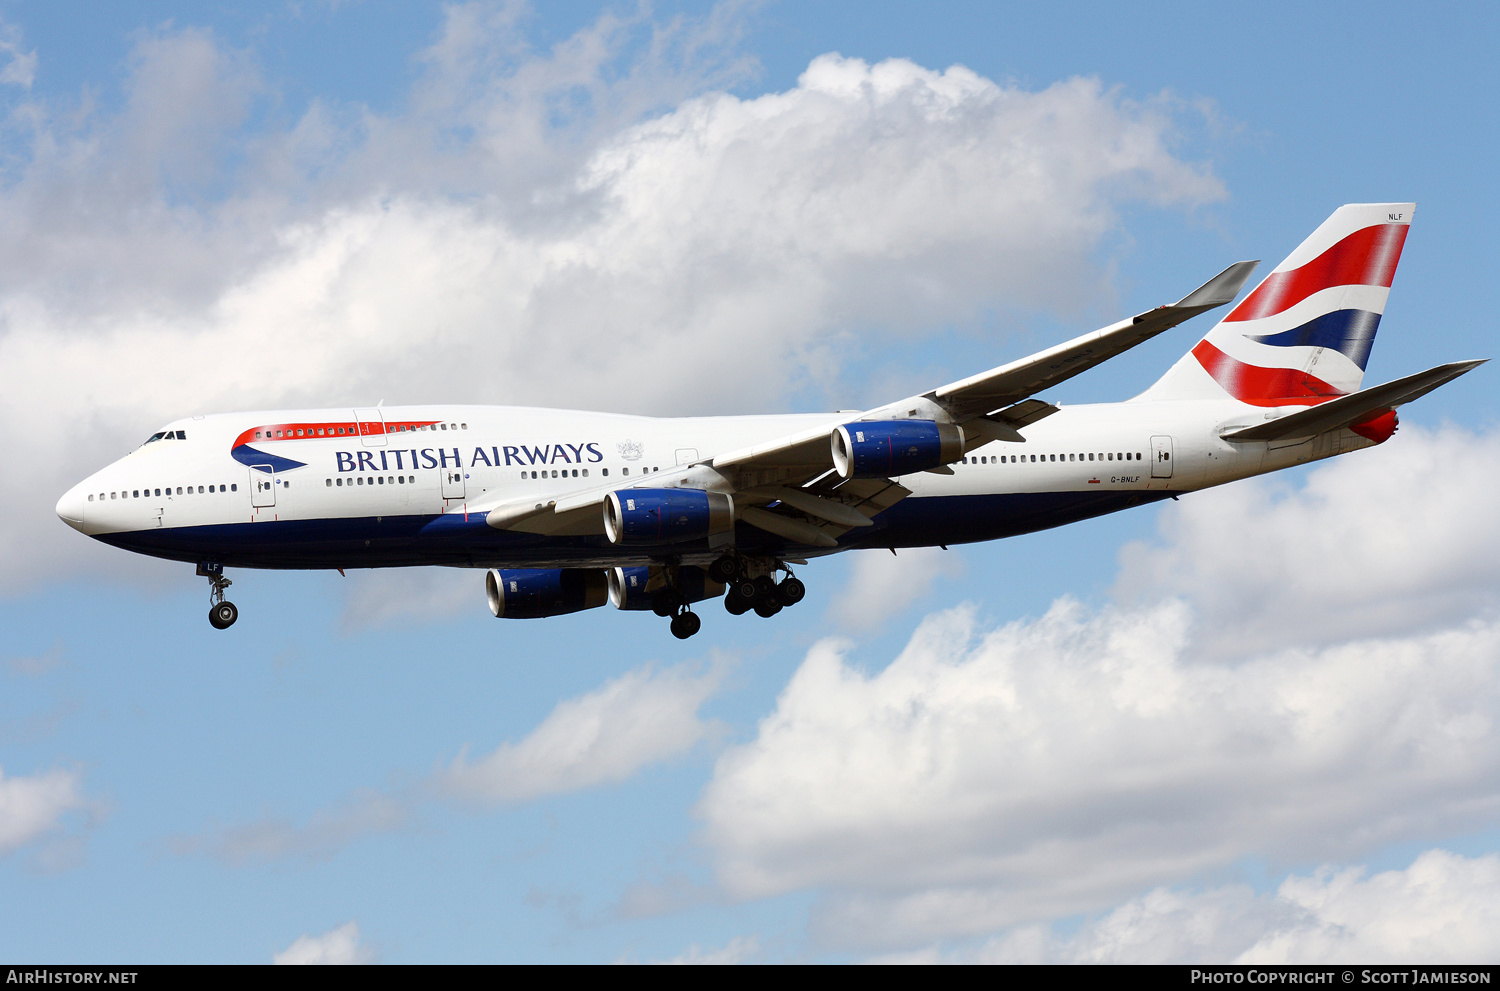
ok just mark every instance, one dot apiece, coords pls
pixel 70 508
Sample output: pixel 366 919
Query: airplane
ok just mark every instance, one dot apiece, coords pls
pixel 567 510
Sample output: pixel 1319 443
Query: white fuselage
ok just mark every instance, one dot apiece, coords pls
pixel 245 489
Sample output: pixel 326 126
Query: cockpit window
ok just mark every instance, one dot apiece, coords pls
pixel 166 435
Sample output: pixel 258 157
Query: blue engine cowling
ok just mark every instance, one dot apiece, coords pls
pixel 887 448
pixel 655 516
pixel 535 593
pixel 632 588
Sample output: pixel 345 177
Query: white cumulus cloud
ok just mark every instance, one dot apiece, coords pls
pixel 1443 908
pixel 1297 672
pixel 1398 538
pixel 33 806
pixel 643 717
pixel 337 946
pixel 882 585
pixel 713 255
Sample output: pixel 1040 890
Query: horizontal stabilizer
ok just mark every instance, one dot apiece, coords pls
pixel 1360 406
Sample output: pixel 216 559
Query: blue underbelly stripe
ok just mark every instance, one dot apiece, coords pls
pixel 410 541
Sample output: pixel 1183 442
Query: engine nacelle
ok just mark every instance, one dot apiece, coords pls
pixel 887 448
pixel 628 586
pixel 655 516
pixel 535 593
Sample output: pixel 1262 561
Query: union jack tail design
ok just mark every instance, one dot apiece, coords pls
pixel 1303 336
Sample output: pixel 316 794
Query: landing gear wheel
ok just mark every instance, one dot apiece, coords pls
pixel 724 569
pixel 735 605
pixel 765 588
pixel 221 615
pixel 790 592
pixel 665 601
pixel 768 607
pixel 685 624
pixel 743 593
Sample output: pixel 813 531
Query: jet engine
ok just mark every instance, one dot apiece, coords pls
pixel 887 448
pixel 535 593
pixel 628 586
pixel 655 516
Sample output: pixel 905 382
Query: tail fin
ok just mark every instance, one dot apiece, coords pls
pixel 1303 335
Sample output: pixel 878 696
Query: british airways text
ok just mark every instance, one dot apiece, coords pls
pixel 396 459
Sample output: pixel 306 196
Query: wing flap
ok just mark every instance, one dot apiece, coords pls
pixel 785 526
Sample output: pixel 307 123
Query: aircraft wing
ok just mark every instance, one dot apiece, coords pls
pixel 999 387
pixel 794 471
pixel 980 395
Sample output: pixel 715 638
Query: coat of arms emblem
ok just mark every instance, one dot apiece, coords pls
pixel 631 450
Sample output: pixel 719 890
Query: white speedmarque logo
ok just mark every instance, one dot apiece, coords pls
pixel 631 450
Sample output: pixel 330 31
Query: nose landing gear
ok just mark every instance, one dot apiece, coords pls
pixel 221 612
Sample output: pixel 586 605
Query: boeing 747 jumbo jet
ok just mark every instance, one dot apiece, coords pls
pixel 568 510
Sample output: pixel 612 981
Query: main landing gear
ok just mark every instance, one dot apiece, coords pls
pixel 221 612
pixel 761 592
pixel 669 601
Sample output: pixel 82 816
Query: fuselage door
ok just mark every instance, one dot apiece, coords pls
pixel 453 483
pixel 371 427
pixel 1161 457
pixel 262 486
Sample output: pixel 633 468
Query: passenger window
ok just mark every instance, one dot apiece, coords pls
pixel 380 480
pixel 533 474
pixel 464 425
pixel 411 480
pixel 111 495
pixel 604 472
pixel 624 471
pixel 233 487
pixel 328 482
pixel 585 473
pixel 158 491
pixel 575 472
pixel 401 479
pixel 91 497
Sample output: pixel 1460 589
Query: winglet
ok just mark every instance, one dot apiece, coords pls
pixel 1222 288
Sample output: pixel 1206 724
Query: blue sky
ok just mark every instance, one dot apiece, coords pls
pixel 666 210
